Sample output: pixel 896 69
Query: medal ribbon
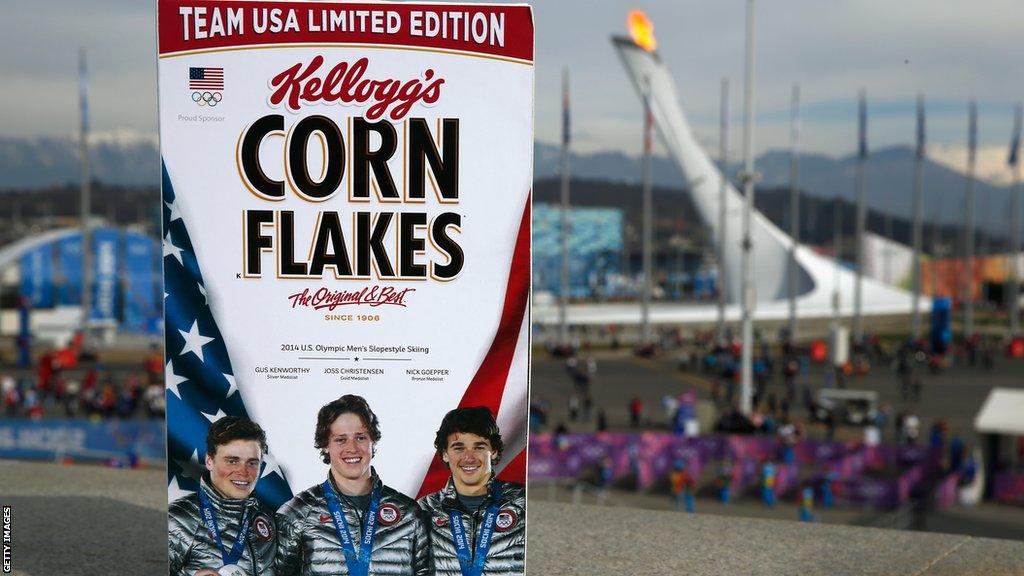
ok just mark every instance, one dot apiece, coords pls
pixel 210 519
pixel 358 563
pixel 472 564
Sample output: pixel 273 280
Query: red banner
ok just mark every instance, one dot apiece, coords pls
pixel 504 31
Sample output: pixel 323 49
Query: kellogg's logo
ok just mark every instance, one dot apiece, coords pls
pixel 345 83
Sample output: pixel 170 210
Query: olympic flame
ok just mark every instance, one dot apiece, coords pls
pixel 642 30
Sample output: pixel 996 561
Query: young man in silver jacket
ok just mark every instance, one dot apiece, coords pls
pixel 223 529
pixel 351 524
pixel 477 523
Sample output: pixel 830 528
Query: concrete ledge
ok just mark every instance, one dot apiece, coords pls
pixel 604 541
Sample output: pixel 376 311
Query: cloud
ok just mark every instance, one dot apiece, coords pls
pixel 832 49
pixel 892 49
pixel 41 73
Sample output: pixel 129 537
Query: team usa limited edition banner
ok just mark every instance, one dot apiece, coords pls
pixel 346 210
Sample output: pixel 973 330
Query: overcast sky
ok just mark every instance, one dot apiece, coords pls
pixel 951 50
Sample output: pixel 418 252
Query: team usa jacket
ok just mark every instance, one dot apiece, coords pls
pixel 308 544
pixel 507 554
pixel 192 547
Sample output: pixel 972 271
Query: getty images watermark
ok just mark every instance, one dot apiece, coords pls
pixel 7 539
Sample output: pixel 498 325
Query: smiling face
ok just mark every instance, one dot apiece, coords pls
pixel 235 467
pixel 350 448
pixel 470 458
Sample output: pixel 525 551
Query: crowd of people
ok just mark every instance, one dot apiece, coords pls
pixel 63 385
pixel 785 402
pixel 580 405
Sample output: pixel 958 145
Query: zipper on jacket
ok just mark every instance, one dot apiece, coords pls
pixel 252 557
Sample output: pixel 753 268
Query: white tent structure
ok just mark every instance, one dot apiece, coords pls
pixel 1000 419
pixel 819 277
pixel 54 326
pixel 1002 413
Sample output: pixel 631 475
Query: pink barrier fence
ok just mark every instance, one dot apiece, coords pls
pixel 1009 487
pixel 787 477
pixel 649 458
pixel 945 492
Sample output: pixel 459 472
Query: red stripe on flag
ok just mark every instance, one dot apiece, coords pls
pixel 515 471
pixel 488 384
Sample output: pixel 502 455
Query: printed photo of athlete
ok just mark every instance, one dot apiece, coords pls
pixel 351 524
pixel 477 523
pixel 222 529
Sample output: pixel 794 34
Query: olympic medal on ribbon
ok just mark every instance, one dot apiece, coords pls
pixel 232 570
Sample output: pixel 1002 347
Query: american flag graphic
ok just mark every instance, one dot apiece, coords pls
pixel 205 78
pixel 201 386
pixel 489 385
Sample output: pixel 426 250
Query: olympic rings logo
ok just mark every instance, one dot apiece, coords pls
pixel 207 98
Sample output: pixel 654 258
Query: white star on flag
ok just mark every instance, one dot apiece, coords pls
pixel 194 341
pixel 208 390
pixel 214 417
pixel 171 250
pixel 191 468
pixel 172 379
pixel 232 385
pixel 175 492
pixel 270 467
pixel 175 213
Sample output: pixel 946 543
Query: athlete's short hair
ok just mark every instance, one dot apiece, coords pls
pixel 231 428
pixel 329 413
pixel 476 420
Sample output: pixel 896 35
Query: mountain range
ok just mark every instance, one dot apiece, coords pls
pixel 132 159
pixel 676 218
pixel 117 158
pixel 888 180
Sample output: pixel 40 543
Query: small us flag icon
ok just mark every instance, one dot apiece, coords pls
pixel 206 79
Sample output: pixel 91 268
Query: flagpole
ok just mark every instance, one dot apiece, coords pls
pixel 837 249
pixel 862 154
pixel 887 247
pixel 984 213
pixel 918 207
pixel 723 159
pixel 794 209
pixel 85 197
pixel 936 254
pixel 837 244
pixel 968 295
pixel 747 288
pixel 645 297
pixel 1015 225
pixel 563 301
